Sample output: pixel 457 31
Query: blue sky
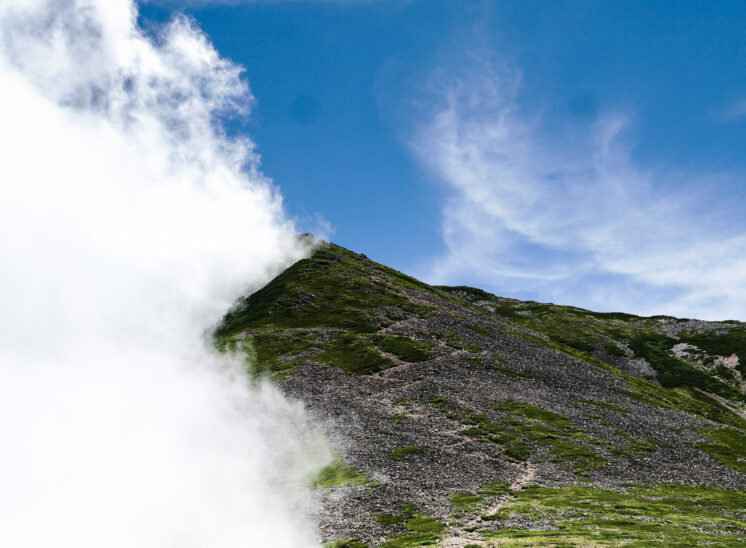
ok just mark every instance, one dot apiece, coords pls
pixel 585 153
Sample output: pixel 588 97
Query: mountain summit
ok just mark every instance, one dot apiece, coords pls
pixel 465 419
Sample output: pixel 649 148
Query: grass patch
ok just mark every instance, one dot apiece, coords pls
pixel 346 544
pixel 355 354
pixel 403 453
pixel 636 446
pixel 404 348
pixel 727 446
pixel 464 502
pixel 524 426
pixel 613 350
pixel 582 459
pixel 510 373
pixel 276 353
pixel 578 344
pixel 477 330
pixel 421 530
pixel 338 474
pixel 425 524
pixel 272 353
pixel 660 515
pixel 390 519
pixel 533 412
pixel 358 354
pixel 438 401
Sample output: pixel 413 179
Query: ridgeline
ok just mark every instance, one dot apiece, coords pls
pixel 514 423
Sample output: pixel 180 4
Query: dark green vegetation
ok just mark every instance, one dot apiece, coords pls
pixel 333 288
pixel 277 353
pixel 640 516
pixel 328 306
pixel 456 399
pixel 673 372
pixel 613 350
pixel 721 343
pixel 360 354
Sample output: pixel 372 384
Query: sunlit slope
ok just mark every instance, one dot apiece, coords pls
pixel 446 404
pixel 675 352
pixel 333 307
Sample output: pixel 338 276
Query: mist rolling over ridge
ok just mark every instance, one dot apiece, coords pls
pixel 184 364
pixel 130 223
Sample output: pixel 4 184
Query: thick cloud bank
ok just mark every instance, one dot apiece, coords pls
pixel 129 224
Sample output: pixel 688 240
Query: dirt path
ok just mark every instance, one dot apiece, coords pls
pixel 465 537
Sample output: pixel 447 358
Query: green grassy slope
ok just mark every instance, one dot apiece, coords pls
pixel 331 305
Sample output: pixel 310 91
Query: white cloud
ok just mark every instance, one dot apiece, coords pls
pixel 181 4
pixel 571 217
pixel 130 223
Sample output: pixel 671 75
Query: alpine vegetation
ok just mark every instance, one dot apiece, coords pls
pixel 463 418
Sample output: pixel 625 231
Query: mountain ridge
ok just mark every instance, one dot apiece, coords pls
pixel 441 401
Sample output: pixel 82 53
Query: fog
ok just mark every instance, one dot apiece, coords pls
pixel 130 222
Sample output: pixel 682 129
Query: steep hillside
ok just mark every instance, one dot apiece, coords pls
pixel 511 422
pixel 674 352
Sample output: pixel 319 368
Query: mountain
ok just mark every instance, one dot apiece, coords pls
pixel 513 423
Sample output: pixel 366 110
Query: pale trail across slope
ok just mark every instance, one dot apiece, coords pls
pixel 526 476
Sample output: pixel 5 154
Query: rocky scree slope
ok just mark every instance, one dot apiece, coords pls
pixel 512 422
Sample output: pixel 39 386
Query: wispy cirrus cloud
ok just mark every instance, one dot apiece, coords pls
pixel 571 218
